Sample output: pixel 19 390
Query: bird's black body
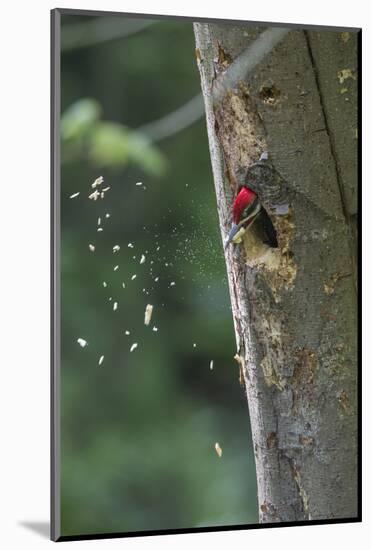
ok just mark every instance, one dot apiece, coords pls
pixel 261 219
pixel 270 237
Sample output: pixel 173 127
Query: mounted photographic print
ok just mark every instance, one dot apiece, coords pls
pixel 204 275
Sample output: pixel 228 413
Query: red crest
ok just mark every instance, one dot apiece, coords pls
pixel 242 201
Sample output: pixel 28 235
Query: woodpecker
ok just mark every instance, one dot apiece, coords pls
pixel 247 208
pixel 260 185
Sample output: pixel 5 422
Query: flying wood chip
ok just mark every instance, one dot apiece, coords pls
pixel 148 314
pixel 219 450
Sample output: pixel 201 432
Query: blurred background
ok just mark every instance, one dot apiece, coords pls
pixel 139 430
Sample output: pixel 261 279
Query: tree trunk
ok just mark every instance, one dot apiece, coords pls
pixel 294 308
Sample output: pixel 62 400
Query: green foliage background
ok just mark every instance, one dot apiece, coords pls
pixel 138 432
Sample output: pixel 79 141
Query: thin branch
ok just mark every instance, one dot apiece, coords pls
pixel 176 121
pixel 247 61
pixel 97 31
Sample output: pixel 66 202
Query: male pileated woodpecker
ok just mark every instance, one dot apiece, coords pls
pixel 260 185
pixel 246 209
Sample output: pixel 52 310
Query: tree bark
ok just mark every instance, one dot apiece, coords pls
pixel 294 308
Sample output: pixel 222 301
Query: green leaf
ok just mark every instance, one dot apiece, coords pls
pixel 116 145
pixel 146 155
pixel 79 118
pixel 109 144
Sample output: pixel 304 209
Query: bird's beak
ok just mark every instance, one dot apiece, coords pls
pixel 246 223
pixel 234 229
